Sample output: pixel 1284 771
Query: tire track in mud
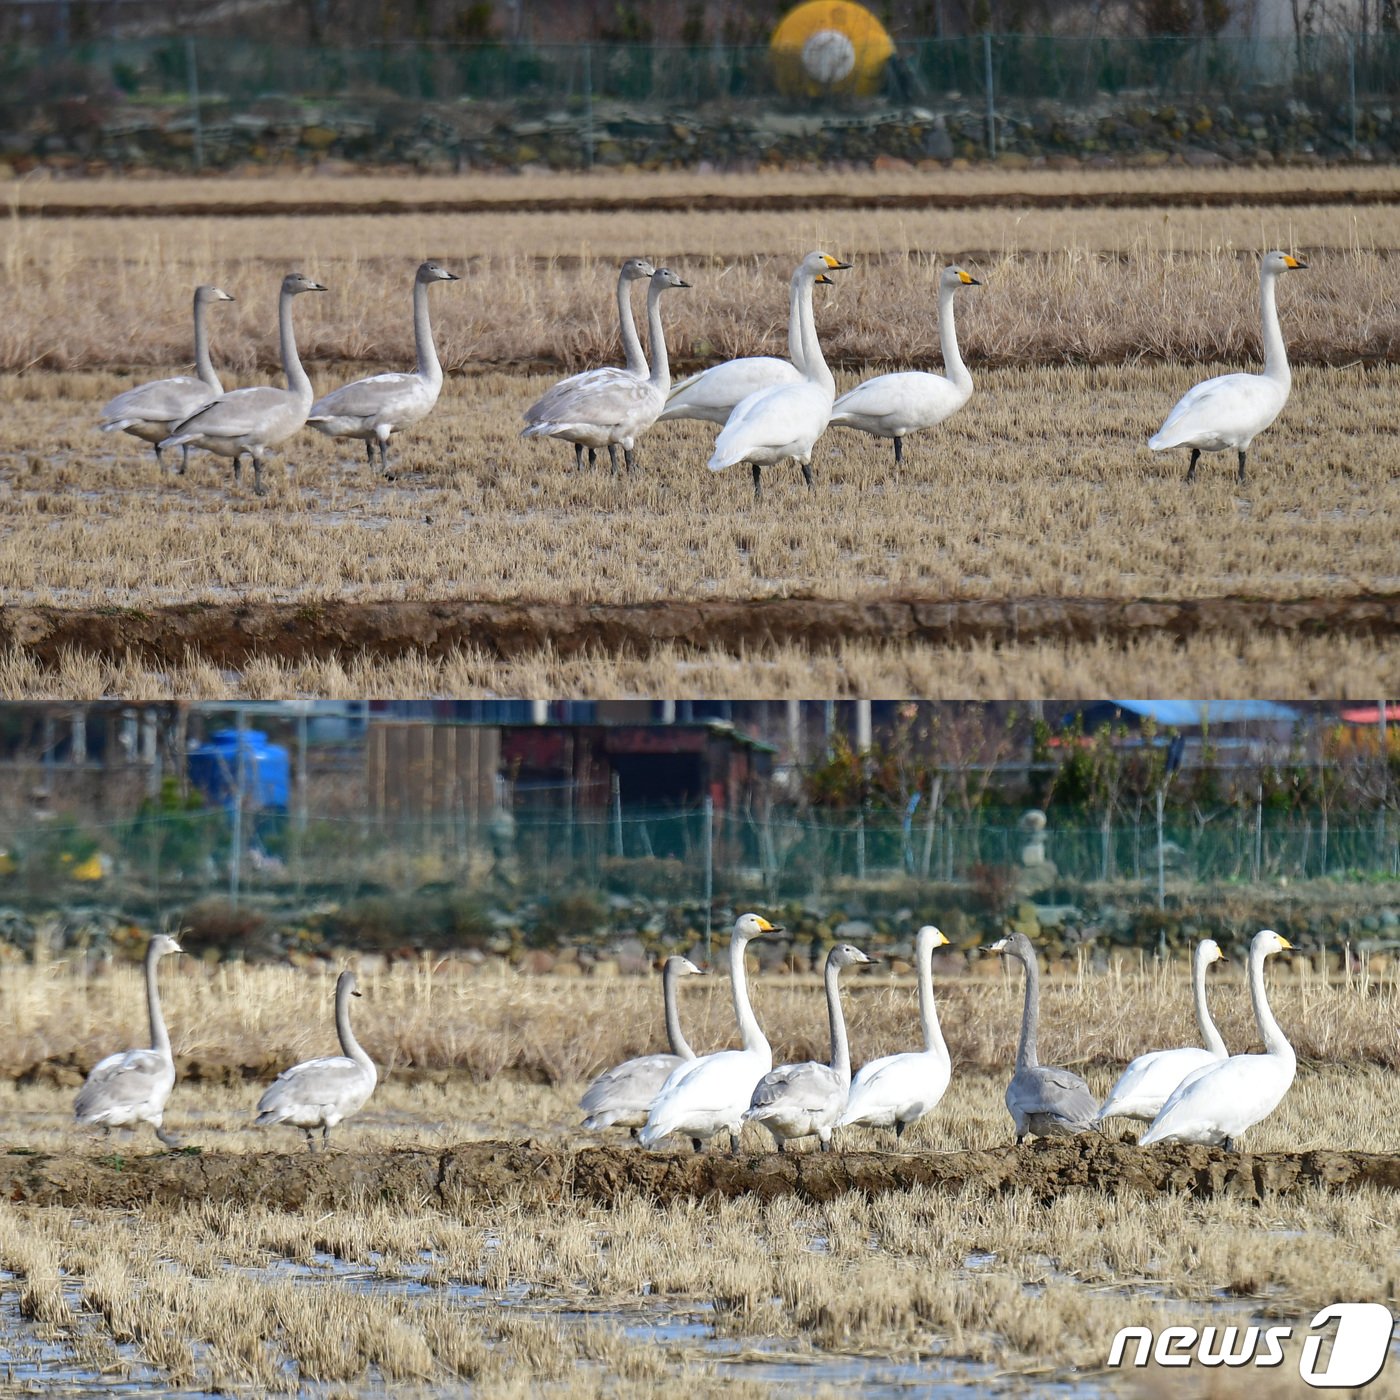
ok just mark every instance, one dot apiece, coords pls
pixel 229 635
pixel 488 1171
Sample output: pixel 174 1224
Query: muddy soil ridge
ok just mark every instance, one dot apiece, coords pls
pixel 228 635
pixel 488 1171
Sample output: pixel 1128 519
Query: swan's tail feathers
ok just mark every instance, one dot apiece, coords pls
pixel 723 458
pixel 650 1135
pixel 115 424
pixel 178 440
pixel 1159 442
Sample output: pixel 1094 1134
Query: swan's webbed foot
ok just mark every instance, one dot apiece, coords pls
pixel 757 482
pixel 1191 470
pixel 169 1139
pixel 899 451
pixel 1242 466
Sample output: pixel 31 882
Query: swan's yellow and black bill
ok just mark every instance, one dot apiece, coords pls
pixel 765 927
pixel 1284 943
pixel 835 264
pixel 968 281
pixel 1294 264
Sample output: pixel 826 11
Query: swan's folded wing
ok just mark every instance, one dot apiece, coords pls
pixel 805 1086
pixel 728 384
pixel 365 397
pixel 633 1082
pixel 130 1077
pixel 601 404
pixel 161 401
pixel 235 414
pixel 1226 404
pixel 554 399
pixel 333 1080
pixel 910 397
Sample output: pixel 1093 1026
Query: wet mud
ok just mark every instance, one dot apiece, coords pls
pixel 486 1171
pixel 228 635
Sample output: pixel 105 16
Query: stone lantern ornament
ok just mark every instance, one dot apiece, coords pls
pixel 827 48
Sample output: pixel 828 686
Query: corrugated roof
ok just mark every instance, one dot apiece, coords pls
pixel 1192 714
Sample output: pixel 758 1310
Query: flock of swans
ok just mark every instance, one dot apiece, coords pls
pixel 1199 1094
pixel 770 410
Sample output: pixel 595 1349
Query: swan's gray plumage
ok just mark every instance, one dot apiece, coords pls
pixel 795 1101
pixel 133 1086
pixel 321 1093
pixel 622 1096
pixel 613 407
pixel 250 421
pixel 372 409
pixel 151 411
pixel 1042 1099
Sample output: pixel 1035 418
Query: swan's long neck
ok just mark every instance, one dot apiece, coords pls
pixel 1209 1034
pixel 631 341
pixel 840 1047
pixel 660 364
pixel 953 366
pixel 428 366
pixel 297 381
pixel 203 365
pixel 797 351
pixel 755 1042
pixel 1275 352
pixel 1026 1055
pixel 1275 1042
pixel 815 369
pixel 348 1043
pixel 670 977
pixel 928 1012
pixel 160 1037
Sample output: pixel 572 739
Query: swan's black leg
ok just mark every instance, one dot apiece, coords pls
pixel 1229 1144
pixel 807 474
pixel 899 1128
pixel 326 1138
pixel 384 455
pixel 237 468
pixel 630 455
pixel 733 1144
pixel 259 489
pixel 612 457
pixel 592 456
pixel 159 462
pixel 636 1134
pixel 697 1144
pixel 1020 1138
pixel 184 458
pixel 898 451
pixel 826 1144
pixel 757 482
pixel 169 1139
pixel 578 456
pixel 782 1146
pixel 310 1139
pixel 1242 466
pixel 1191 470
pixel 369 452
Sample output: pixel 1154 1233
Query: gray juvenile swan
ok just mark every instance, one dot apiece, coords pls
pixel 133 1086
pixel 252 420
pixel 321 1093
pixel 374 408
pixel 615 412
pixel 633 270
pixel 622 1096
pixel 1042 1100
pixel 151 411
pixel 796 1101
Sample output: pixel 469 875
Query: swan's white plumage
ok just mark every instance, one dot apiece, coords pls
pixel 1218 1103
pixel 710 1095
pixel 896 1091
pixel 1149 1081
pixel 1231 410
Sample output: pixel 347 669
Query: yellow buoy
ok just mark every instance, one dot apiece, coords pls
pixel 827 48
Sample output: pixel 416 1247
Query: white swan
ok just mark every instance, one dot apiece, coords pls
pixel 775 424
pixel 1042 1099
pixel 896 1091
pixel 374 408
pixel 713 394
pixel 796 1101
pixel 616 410
pixel 1233 409
pixel 633 270
pixel 252 420
pixel 133 1086
pixel 891 405
pixel 150 411
pixel 622 1096
pixel 1148 1081
pixel 1216 1104
pixel 321 1093
pixel 702 1098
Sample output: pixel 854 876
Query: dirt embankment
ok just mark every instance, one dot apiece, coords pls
pixel 228 635
pixel 488 1170
pixel 713 202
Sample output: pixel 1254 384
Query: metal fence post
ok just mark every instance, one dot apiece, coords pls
pixel 1351 85
pixel 588 106
pixel 617 814
pixel 991 96
pixel 709 871
pixel 192 69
